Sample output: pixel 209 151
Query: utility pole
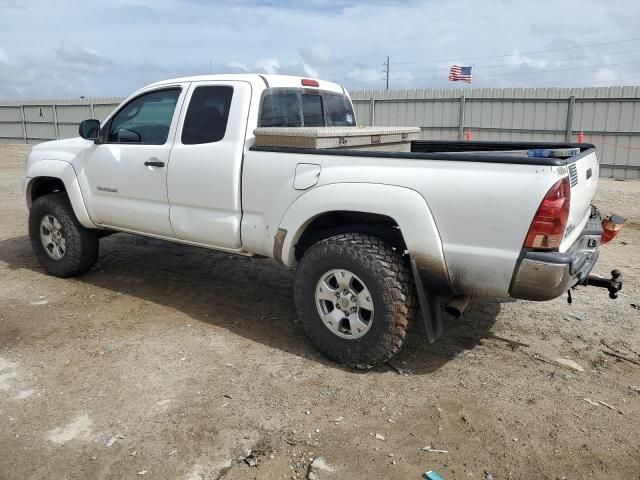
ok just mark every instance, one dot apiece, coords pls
pixel 386 71
pixel 210 67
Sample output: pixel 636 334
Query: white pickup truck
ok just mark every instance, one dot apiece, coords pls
pixel 377 237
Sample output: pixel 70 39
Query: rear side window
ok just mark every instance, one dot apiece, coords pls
pixel 338 111
pixel 207 115
pixel 282 107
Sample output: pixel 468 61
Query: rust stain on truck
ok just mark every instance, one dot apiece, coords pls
pixel 278 242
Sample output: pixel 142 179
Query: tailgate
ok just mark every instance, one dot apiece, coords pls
pixel 583 172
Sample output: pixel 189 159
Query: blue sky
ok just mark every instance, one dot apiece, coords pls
pixel 69 48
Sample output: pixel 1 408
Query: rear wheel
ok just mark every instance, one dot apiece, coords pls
pixel 63 246
pixel 355 299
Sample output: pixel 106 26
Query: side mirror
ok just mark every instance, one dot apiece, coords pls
pixel 89 129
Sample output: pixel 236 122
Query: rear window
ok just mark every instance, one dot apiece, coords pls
pixel 283 107
pixel 312 111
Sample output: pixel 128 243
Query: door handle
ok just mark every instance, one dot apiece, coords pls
pixel 154 163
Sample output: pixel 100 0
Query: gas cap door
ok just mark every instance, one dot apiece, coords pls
pixel 307 175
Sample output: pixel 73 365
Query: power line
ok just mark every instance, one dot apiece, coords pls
pixel 386 71
pixel 526 63
pixel 521 53
pixel 495 56
pixel 358 67
pixel 535 73
pixel 563 69
pixel 366 82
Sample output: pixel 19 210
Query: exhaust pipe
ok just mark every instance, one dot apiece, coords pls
pixel 457 305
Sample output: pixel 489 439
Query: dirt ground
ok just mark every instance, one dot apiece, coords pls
pixel 172 362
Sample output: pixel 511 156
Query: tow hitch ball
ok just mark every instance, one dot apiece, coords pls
pixel 613 284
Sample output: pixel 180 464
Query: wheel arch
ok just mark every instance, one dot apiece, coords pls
pixel 44 185
pixel 399 211
pixel 52 176
pixel 335 222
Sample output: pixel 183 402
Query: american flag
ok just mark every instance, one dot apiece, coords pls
pixel 460 74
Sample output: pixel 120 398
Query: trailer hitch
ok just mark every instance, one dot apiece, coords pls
pixel 613 284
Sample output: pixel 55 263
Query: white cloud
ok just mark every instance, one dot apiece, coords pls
pixel 116 47
pixel 517 59
pixel 321 54
pixel 367 77
pixel 238 66
pixel 269 65
pixel 606 76
pixel 70 52
pixel 310 71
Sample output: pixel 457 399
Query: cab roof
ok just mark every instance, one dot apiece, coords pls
pixel 260 80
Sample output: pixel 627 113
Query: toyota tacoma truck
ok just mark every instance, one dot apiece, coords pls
pixel 379 239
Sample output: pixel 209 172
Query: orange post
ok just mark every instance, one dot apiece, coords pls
pixel 467 135
pixel 581 137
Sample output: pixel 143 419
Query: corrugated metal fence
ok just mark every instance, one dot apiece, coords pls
pixel 37 121
pixel 609 117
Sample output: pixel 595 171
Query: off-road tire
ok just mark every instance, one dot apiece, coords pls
pixel 388 277
pixel 81 243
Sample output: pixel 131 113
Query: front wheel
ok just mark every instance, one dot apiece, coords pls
pixel 355 299
pixel 63 246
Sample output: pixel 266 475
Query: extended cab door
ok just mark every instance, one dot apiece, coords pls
pixel 204 177
pixel 124 177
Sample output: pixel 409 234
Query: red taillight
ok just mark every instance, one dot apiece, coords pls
pixel 547 228
pixel 610 228
pixel 307 82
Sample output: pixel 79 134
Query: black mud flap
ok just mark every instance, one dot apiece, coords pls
pixel 429 306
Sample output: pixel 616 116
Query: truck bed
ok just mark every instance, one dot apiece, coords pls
pixel 476 151
pixel 482 208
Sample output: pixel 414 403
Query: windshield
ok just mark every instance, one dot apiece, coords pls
pixel 285 107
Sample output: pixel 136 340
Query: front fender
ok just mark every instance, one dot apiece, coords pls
pixel 65 172
pixel 407 207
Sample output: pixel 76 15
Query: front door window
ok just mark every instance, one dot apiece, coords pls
pixel 145 119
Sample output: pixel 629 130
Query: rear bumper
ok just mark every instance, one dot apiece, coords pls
pixel 547 275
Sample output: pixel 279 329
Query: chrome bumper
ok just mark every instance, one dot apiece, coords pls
pixel 547 275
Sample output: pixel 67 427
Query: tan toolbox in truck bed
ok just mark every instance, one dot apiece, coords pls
pixel 396 139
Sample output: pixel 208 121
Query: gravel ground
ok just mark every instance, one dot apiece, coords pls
pixel 167 361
